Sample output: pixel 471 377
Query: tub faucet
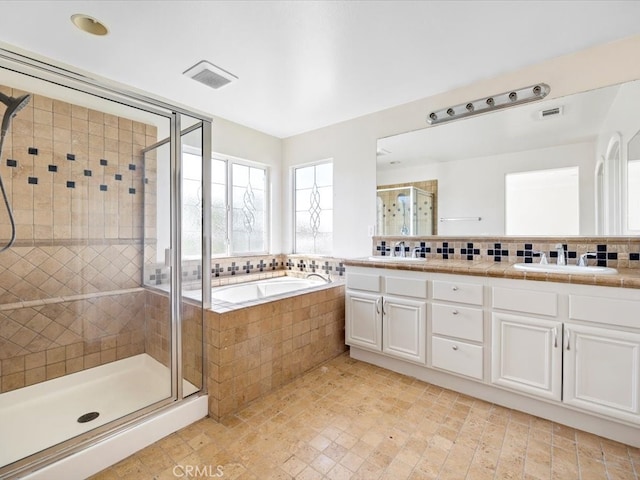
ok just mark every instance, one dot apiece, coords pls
pixel 562 260
pixel 582 262
pixel 398 246
pixel 326 279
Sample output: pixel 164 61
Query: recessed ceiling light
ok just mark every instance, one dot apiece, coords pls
pixel 89 24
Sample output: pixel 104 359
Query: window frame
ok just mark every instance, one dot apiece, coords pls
pixel 293 192
pixel 229 162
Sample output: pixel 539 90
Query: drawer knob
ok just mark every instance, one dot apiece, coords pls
pixel 455 312
pixel 454 288
pixel 455 347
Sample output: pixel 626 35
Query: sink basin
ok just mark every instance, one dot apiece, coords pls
pixel 567 269
pixel 397 259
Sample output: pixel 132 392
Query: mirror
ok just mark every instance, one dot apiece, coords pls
pixel 505 172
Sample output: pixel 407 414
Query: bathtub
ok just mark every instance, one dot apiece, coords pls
pixel 257 290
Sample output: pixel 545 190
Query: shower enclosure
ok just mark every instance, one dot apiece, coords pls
pixel 404 211
pixel 95 336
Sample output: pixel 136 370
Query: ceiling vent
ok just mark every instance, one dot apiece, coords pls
pixel 551 112
pixel 210 75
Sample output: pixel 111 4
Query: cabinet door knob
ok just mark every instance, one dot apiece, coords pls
pixel 454 288
pixel 455 312
pixel 455 347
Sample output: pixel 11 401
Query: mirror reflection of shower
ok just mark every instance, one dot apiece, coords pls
pixel 404 211
pixel 403 200
pixel 14 105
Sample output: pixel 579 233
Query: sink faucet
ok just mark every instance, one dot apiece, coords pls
pixel 543 257
pixel 416 252
pixel 582 262
pixel 562 260
pixel 400 247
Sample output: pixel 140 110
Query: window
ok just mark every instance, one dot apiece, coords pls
pixel 542 202
pixel 239 199
pixel 191 203
pixel 313 206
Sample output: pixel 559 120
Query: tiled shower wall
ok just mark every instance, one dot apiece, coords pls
pixel 616 252
pixel 69 288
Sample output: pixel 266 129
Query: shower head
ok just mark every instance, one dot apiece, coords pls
pixel 14 105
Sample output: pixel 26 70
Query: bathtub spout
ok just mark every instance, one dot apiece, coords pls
pixel 327 279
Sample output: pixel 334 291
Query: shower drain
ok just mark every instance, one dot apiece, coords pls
pixel 87 417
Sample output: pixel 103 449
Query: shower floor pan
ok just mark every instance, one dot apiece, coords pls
pixel 42 415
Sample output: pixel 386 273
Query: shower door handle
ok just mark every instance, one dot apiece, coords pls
pixel 167 257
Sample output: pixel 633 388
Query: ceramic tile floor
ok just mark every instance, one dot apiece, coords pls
pixel 351 420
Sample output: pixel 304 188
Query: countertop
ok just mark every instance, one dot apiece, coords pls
pixel 625 278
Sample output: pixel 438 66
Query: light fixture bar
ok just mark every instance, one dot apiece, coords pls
pixel 488 104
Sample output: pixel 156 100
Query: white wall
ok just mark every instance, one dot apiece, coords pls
pixel 352 144
pixel 482 178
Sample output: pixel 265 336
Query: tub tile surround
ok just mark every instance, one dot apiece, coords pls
pixel 157 341
pixel 70 296
pixel 255 346
pixel 253 350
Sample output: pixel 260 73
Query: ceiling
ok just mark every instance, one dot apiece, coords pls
pixel 303 65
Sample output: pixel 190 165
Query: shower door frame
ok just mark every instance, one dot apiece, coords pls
pixel 25 63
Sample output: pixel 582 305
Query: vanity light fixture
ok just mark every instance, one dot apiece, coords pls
pixel 487 104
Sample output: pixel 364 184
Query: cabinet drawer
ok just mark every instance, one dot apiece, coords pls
pixel 527 301
pixel 407 287
pixel 460 322
pixel 457 357
pixel 458 292
pixel 625 313
pixel 363 281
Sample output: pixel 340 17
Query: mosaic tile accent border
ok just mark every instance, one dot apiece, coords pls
pixel 228 267
pixel 622 252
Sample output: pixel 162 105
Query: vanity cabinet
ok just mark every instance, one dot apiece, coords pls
pixel 457 328
pixel 526 350
pixel 602 370
pixel 404 328
pixel 566 352
pixel 527 354
pixel 364 325
pixel 379 319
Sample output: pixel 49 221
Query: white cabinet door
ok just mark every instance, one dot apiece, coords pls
pixel 602 370
pixel 363 320
pixel 404 328
pixel 527 354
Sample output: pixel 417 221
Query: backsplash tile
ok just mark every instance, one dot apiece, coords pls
pixel 621 252
pixel 232 267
